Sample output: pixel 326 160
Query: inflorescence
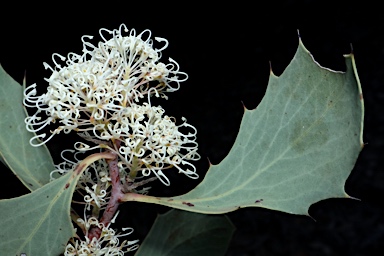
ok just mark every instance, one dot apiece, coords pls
pixel 104 96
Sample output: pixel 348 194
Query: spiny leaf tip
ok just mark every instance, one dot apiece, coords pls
pixel 270 69
pixel 244 107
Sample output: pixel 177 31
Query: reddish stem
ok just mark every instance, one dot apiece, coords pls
pixel 115 199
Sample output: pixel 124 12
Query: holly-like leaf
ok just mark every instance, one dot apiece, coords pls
pixel 187 234
pixel 39 223
pixel 31 165
pixel 296 148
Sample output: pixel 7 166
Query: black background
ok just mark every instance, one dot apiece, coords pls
pixel 226 50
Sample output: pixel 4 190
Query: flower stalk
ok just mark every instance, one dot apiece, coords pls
pixel 114 200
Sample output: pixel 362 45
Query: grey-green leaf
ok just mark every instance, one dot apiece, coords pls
pixel 187 234
pixel 32 165
pixel 296 148
pixel 39 223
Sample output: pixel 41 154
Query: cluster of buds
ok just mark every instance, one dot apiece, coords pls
pixel 104 96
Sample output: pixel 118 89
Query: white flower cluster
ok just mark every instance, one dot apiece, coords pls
pixel 95 187
pixel 98 95
pixel 94 183
pixel 152 142
pixel 98 92
pixel 107 244
pixel 89 91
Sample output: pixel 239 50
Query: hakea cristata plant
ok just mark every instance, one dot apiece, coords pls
pixel 104 96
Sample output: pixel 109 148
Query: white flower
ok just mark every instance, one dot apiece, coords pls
pixel 152 142
pixel 95 176
pixel 107 244
pixel 95 196
pixel 89 89
pixel 98 92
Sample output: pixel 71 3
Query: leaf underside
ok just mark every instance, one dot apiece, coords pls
pixel 39 223
pixel 31 165
pixel 187 234
pixel 296 148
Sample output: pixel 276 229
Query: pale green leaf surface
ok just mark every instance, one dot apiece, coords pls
pixel 296 148
pixel 31 165
pixel 187 234
pixel 39 223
